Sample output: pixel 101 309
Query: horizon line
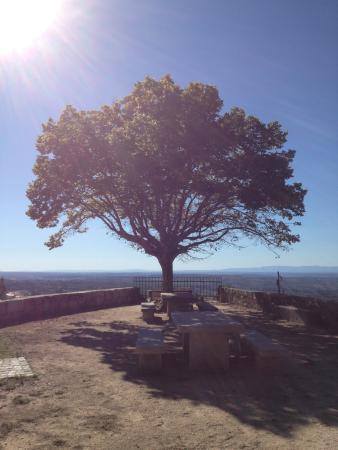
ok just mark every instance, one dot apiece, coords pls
pixel 274 267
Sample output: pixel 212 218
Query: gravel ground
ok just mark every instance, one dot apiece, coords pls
pixel 88 393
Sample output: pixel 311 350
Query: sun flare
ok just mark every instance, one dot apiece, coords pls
pixel 23 21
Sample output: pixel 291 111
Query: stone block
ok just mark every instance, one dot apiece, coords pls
pixel 148 310
pixel 299 315
pixel 208 351
pixel 269 354
pixel 150 362
pixel 150 347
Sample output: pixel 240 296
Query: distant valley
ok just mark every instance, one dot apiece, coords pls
pixel 315 284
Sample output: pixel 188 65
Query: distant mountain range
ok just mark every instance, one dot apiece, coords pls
pixel 232 270
pixel 313 281
pixel 285 269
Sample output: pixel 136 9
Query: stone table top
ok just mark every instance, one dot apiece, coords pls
pixel 210 321
pixel 181 296
pixel 14 367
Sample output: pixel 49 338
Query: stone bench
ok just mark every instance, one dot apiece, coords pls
pixel 148 310
pixel 299 315
pixel 269 354
pixel 206 306
pixel 150 347
pixel 178 301
pixel 155 296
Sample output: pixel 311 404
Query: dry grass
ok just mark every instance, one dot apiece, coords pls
pixel 6 351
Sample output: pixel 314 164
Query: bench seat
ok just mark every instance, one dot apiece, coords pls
pixel 300 315
pixel 268 353
pixel 206 306
pixel 148 310
pixel 150 347
pixel 155 296
pixel 147 305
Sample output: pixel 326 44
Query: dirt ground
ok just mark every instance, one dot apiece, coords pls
pixel 88 393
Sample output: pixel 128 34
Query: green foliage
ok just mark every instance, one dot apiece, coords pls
pixel 167 170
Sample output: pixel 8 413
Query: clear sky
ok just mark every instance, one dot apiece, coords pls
pixel 276 59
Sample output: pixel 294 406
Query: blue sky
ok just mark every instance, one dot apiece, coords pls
pixel 277 60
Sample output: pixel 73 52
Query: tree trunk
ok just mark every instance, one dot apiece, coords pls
pixel 167 273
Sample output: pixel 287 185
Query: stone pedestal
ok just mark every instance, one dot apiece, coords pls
pixel 150 348
pixel 148 310
pixel 186 346
pixel 208 351
pixel 177 302
pixel 148 314
pixel 150 362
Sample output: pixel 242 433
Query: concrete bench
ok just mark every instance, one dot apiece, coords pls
pixel 299 315
pixel 161 306
pixel 155 294
pixel 150 347
pixel 269 354
pixel 148 310
pixel 178 301
pixel 206 306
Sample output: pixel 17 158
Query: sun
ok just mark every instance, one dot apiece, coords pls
pixel 24 21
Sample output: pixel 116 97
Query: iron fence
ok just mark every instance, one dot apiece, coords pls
pixel 205 286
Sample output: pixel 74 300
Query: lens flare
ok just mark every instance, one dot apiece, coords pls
pixel 24 21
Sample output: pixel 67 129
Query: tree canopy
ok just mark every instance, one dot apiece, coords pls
pixel 167 170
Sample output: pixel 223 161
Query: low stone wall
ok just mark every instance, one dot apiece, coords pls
pixel 41 307
pixel 326 311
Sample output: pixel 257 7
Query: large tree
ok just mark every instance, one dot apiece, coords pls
pixel 167 170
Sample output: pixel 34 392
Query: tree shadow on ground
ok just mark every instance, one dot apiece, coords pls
pixel 275 403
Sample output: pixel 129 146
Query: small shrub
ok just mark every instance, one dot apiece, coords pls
pixel 20 400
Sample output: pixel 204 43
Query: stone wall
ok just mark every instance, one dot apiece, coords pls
pixel 326 311
pixel 41 307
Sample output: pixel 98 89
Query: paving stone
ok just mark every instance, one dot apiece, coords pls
pixel 14 367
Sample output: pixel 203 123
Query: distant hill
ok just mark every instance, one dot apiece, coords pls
pixel 314 281
pixel 134 272
pixel 285 269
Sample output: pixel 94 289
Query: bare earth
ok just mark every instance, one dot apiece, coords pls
pixel 88 393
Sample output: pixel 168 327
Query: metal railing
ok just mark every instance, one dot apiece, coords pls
pixel 205 286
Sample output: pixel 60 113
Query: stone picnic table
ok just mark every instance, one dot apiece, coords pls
pixel 177 301
pixel 205 337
